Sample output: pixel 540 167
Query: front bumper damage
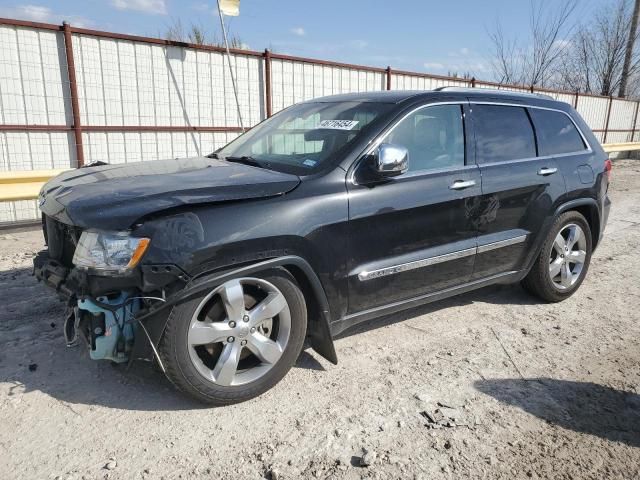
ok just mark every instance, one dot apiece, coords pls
pixel 111 315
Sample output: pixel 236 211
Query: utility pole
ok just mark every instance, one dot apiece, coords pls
pixel 629 51
pixel 234 7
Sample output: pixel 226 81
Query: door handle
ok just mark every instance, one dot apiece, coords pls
pixel 547 171
pixel 462 184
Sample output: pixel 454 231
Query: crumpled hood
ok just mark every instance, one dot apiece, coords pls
pixel 113 197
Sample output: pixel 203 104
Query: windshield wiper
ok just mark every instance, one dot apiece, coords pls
pixel 246 160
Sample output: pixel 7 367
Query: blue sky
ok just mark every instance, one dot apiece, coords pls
pixel 420 35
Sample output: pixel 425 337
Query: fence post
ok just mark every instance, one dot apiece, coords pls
pixel 635 120
pixel 267 81
pixel 73 91
pixel 388 78
pixel 575 100
pixel 606 125
pixel 473 82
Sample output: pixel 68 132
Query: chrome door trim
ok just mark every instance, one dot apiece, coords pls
pixel 502 243
pixel 405 267
pixel 425 297
pixel 434 260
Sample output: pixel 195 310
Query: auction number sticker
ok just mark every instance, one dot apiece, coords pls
pixel 338 124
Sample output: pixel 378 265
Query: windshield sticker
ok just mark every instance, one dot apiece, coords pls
pixel 338 124
pixel 309 163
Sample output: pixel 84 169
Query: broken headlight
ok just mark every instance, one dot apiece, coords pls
pixel 109 251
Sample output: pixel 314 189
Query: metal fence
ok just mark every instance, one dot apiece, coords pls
pixel 70 96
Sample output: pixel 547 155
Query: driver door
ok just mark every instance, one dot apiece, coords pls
pixel 413 234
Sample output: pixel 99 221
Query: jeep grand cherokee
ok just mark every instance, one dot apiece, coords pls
pixel 332 212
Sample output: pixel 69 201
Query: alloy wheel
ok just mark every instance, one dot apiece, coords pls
pixel 239 331
pixel 567 257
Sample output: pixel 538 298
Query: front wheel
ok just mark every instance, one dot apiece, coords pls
pixel 236 341
pixel 563 260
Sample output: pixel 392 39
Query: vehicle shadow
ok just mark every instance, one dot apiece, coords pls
pixel 583 407
pixel 493 294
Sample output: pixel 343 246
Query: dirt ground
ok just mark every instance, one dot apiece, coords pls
pixel 491 384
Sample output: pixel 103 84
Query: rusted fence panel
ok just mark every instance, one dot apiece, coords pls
pixel 71 95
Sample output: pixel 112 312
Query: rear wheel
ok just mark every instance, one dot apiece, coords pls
pixel 563 260
pixel 236 341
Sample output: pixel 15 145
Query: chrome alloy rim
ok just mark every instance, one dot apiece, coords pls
pixel 239 331
pixel 567 257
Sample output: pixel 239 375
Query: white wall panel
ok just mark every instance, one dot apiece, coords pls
pixel 621 118
pixel 594 111
pixel 12 95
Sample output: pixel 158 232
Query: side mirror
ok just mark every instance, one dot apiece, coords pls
pixel 391 160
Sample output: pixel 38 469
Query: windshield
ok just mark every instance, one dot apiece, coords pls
pixel 304 137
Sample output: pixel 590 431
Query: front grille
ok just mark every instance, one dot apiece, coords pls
pixel 61 240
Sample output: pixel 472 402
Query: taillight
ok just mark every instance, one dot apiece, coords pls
pixel 607 168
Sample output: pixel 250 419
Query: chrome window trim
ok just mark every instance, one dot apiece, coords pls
pixel 501 243
pixel 381 138
pixel 435 171
pixel 425 262
pixel 502 104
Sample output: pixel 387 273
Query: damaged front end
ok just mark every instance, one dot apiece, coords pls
pixel 97 275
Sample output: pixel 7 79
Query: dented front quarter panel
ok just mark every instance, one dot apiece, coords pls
pixel 309 222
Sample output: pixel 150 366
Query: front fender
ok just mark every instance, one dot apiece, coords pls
pixel 319 333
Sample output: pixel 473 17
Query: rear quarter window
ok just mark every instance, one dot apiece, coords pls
pixel 503 133
pixel 557 134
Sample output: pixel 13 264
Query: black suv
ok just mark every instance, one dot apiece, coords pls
pixel 332 212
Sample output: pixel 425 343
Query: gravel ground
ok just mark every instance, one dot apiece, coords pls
pixel 491 384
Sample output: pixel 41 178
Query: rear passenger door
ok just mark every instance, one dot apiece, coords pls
pixel 519 187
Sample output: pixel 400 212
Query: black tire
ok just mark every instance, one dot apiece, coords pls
pixel 538 281
pixel 180 370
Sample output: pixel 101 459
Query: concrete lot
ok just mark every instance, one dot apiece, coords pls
pixel 491 384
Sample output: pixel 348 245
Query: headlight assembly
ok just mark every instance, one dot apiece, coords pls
pixel 109 251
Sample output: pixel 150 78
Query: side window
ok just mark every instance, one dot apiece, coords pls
pixel 556 132
pixel 502 133
pixel 434 137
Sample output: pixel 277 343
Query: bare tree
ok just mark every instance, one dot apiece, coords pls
pixel 534 63
pixel 547 29
pixel 505 61
pixel 595 60
pixel 629 50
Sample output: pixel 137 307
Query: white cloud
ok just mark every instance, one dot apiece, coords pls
pixel 39 13
pixel 200 7
pixel 299 31
pixel 433 65
pixel 36 13
pixel 464 51
pixel 562 44
pixel 153 7
pixel 359 44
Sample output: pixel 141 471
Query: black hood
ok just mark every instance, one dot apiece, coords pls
pixel 113 197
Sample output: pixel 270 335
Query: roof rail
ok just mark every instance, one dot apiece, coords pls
pixel 493 90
